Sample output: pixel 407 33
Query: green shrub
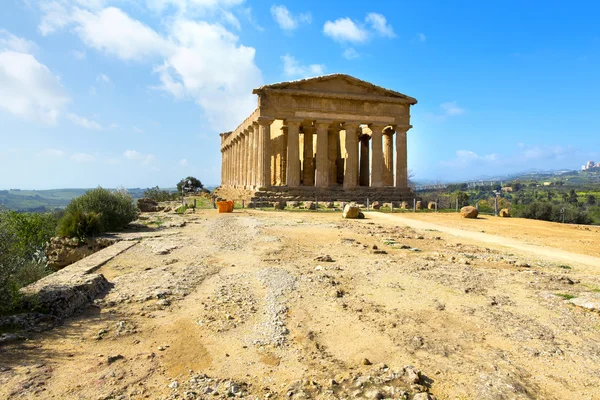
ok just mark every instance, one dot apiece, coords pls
pixel 546 211
pixel 115 209
pixel 158 194
pixel 23 238
pixel 80 224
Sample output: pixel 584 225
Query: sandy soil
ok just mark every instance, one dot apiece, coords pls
pixel 583 239
pixel 237 305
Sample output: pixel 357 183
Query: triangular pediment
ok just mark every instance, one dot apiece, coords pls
pixel 336 84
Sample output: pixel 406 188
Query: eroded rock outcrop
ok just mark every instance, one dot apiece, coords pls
pixel 63 251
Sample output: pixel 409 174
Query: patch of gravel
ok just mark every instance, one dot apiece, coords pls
pixel 231 305
pixel 271 330
pixel 158 287
pixel 232 233
pixel 378 382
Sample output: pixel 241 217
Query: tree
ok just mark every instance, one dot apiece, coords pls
pixel 591 200
pixel 461 197
pixel 193 186
pixel 573 197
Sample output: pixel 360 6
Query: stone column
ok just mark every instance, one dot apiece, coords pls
pixel 229 165
pixel 284 152
pixel 227 158
pixel 377 157
pixel 351 172
pixel 322 162
pixel 234 162
pixel 293 153
pixel 250 147
pixel 255 135
pixel 238 161
pixel 309 162
pixel 244 168
pixel 264 152
pixel 365 163
pixel 401 159
pixel 332 148
pixel 388 158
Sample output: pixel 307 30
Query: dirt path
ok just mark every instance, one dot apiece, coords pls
pixel 307 305
pixel 545 252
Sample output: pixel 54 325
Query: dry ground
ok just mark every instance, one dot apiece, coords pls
pixel 237 305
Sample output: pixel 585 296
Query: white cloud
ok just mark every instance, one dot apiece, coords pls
pixel 191 6
pixel 200 61
pixel 29 89
pixel 345 30
pixel 113 126
pixel 104 79
pixel 350 54
pixel 523 157
pixel 379 24
pixel 84 122
pixel 134 155
pixel 82 157
pixel 54 17
pixel 137 130
pixel 247 12
pixel 8 41
pixel 79 55
pixel 231 19
pixel 451 108
pixel 292 68
pixel 52 152
pixel 183 162
pixel 286 20
pixel 127 38
pixel 421 37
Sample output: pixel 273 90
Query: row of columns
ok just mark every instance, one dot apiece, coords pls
pixel 247 159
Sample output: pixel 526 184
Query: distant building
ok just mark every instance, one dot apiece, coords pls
pixel 589 165
pixel 507 189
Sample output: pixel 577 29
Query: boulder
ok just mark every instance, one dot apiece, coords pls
pixel 504 213
pixel 310 205
pixel 469 212
pixel 404 205
pixel 419 205
pixel 351 211
pixel 431 205
pixel 148 205
pixel 376 205
pixel 329 204
pixel 280 205
pixel 293 204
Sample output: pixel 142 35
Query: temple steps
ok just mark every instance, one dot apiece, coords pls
pixel 336 193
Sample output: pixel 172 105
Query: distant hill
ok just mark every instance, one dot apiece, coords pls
pixel 45 200
pixel 48 200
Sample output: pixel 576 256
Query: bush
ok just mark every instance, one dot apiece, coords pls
pixel 547 211
pixel 23 237
pixel 158 194
pixel 80 224
pixel 114 209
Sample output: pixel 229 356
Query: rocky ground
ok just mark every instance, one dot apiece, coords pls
pixel 307 305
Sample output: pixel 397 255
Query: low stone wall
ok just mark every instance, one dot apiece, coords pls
pixel 67 291
pixel 63 251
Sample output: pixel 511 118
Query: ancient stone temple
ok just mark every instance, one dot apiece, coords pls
pixel 332 137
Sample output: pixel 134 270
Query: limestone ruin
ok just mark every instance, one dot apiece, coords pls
pixel 330 137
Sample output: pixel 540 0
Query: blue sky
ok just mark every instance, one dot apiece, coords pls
pixel 134 93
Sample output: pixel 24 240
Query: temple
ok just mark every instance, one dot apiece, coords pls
pixel 333 137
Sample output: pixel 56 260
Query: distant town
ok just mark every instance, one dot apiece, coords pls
pixel 590 165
